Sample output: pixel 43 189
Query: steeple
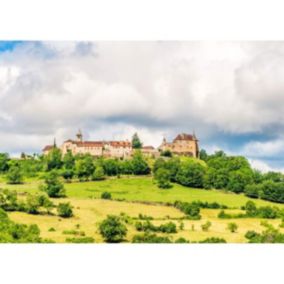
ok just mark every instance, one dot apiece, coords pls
pixel 79 136
pixel 54 143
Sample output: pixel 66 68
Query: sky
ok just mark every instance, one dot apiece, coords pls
pixel 231 94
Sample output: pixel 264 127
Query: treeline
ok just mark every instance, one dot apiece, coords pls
pixel 219 171
pixel 84 167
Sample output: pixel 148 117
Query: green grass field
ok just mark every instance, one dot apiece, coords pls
pixel 89 209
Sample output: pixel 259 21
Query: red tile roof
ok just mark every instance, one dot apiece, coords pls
pixel 148 148
pixel 47 148
pixel 184 136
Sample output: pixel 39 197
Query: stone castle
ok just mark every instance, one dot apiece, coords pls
pixel 183 144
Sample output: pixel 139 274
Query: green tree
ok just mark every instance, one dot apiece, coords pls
pixel 65 210
pixel 99 173
pixel 4 159
pixel 205 227
pixel 162 176
pixel 232 227
pixel 85 167
pixel 139 165
pixel 111 167
pixel 67 174
pixel 106 195
pixel 53 159
pixel 69 160
pixel 191 174
pixel 136 143
pixel 239 179
pixel 15 175
pixel 203 155
pixel 112 229
pixel 166 153
pixel 52 185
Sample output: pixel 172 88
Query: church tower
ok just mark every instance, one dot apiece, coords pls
pixel 79 136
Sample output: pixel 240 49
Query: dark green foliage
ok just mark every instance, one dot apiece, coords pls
pixel 270 235
pixel 65 210
pixel 53 159
pixel 69 160
pixel 239 179
pixel 232 227
pixel 106 195
pixel 98 174
pixel 73 232
pixel 8 200
pixel 192 210
pixel 125 167
pixel 67 174
pixel 253 190
pixel 191 174
pixel 216 178
pixel 145 217
pixel 181 241
pixel 166 153
pixel 251 209
pixel 15 175
pixel 162 176
pixel 139 164
pixel 272 191
pixel 84 167
pixel 82 240
pixel 147 226
pixel 11 232
pixel 34 202
pixel 53 187
pixel 112 229
pixel 136 143
pixel 274 176
pixel 111 167
pixel 150 239
pixel 4 162
pixel 208 205
pixel 213 240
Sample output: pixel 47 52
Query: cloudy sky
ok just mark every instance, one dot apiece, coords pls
pixel 230 93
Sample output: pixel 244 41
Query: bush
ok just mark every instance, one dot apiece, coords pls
pixel 106 195
pixel 147 226
pixel 181 241
pixel 213 240
pixel 83 240
pixel 169 227
pixel 64 210
pixel 190 174
pixel 99 173
pixel 53 187
pixel 8 200
pixel 139 165
pixel 252 190
pixel 162 176
pixel 192 210
pixel 150 239
pixel 272 191
pixel 15 175
pixel 232 227
pixel 112 229
pixel 166 153
pixel 67 174
pixel 205 227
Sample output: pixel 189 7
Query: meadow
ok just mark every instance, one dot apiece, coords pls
pixel 138 195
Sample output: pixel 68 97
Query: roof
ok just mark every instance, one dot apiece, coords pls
pixel 115 144
pixel 47 148
pixel 184 136
pixel 148 148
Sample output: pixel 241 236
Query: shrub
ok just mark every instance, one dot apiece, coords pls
pixel 106 195
pixel 145 217
pixel 205 227
pixel 15 175
pixel 73 232
pixel 192 210
pixel 169 227
pixel 65 210
pixel 67 174
pixel 150 238
pixel 8 200
pixel 181 241
pixel 162 176
pixel 273 191
pixel 252 190
pixel 232 227
pixel 139 165
pixel 53 187
pixel 190 174
pixel 147 226
pixel 213 240
pixel 51 229
pixel 166 153
pixel 112 229
pixel 99 173
pixel 82 240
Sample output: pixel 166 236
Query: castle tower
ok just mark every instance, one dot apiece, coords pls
pixel 79 136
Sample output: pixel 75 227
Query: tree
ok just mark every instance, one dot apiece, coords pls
pixel 85 167
pixel 239 179
pixel 53 187
pixel 205 227
pixel 139 165
pixel 67 174
pixel 203 155
pixel 65 210
pixel 191 174
pixel 136 143
pixel 251 209
pixel 166 153
pixel 32 204
pixel 232 227
pixel 112 229
pixel 253 190
pixel 162 176
pixel 272 191
pixel 99 173
pixel 53 159
pixel 111 167
pixel 15 175
pixel 69 160
pixel 4 159
pixel 106 195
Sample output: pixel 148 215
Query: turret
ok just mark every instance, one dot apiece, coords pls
pixel 79 136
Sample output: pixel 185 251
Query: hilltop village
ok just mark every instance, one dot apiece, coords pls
pixel 183 144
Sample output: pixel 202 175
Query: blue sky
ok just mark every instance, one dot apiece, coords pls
pixel 230 93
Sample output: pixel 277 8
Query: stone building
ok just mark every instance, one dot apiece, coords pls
pixel 150 151
pixel 115 149
pixel 183 144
